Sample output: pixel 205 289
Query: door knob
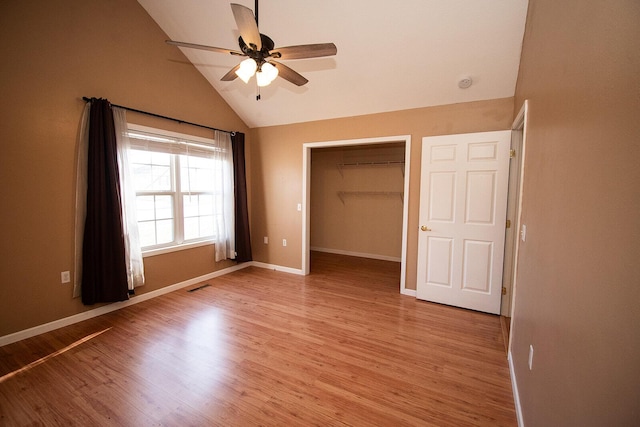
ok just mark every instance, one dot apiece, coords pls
pixel 425 228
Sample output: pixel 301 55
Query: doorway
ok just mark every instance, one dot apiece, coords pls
pixel 306 197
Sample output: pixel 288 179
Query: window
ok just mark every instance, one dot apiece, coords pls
pixel 178 196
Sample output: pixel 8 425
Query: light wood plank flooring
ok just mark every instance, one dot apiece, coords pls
pixel 258 347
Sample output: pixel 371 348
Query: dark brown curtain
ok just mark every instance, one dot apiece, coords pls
pixel 243 238
pixel 104 273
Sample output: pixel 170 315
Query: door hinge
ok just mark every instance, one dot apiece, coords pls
pixel 504 290
pixel 508 223
pixel 512 154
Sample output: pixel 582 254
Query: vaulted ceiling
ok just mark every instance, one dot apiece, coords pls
pixel 391 55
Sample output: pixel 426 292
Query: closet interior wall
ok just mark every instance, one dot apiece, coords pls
pixel 357 199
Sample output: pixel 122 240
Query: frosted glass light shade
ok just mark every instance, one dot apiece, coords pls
pixel 247 69
pixel 267 74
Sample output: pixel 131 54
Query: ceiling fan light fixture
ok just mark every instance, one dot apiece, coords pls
pixel 247 69
pixel 257 48
pixel 267 73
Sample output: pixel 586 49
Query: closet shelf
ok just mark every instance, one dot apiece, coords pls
pixel 399 163
pixel 345 194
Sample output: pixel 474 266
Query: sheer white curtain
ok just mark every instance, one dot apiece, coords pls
pixel 225 245
pixel 133 252
pixel 81 197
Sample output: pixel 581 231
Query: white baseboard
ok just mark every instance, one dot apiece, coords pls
pixel 356 254
pixel 408 292
pixel 135 299
pixel 516 395
pixel 277 268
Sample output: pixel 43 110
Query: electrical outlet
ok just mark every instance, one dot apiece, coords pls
pixel 284 242
pixel 266 240
pixel 531 357
pixel 65 277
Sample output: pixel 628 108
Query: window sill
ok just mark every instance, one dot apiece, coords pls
pixel 169 249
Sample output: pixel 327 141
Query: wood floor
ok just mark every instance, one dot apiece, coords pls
pixel 258 347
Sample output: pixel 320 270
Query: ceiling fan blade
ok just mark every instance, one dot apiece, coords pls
pixel 305 51
pixel 247 25
pixel 231 75
pixel 204 47
pixel 290 75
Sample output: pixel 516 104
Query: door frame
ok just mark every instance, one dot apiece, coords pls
pixel 519 130
pixel 306 196
pixel 513 212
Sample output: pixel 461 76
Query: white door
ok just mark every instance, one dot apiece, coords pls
pixel 463 201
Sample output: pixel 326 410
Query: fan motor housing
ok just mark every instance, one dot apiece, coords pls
pixel 258 55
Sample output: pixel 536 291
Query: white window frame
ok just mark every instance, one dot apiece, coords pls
pixel 178 243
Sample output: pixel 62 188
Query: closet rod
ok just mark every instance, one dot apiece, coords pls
pixel 164 117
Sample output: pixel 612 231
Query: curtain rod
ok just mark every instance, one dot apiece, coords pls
pixel 165 117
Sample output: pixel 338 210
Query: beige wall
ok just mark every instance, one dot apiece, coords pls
pixel 54 53
pixel 578 287
pixel 358 223
pixel 277 167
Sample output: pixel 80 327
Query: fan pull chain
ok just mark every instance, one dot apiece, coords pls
pixel 257 93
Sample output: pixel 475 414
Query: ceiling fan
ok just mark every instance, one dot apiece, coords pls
pixel 260 52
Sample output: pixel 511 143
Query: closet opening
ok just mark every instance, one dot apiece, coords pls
pixel 355 201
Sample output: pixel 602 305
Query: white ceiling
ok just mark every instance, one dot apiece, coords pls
pixel 392 55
